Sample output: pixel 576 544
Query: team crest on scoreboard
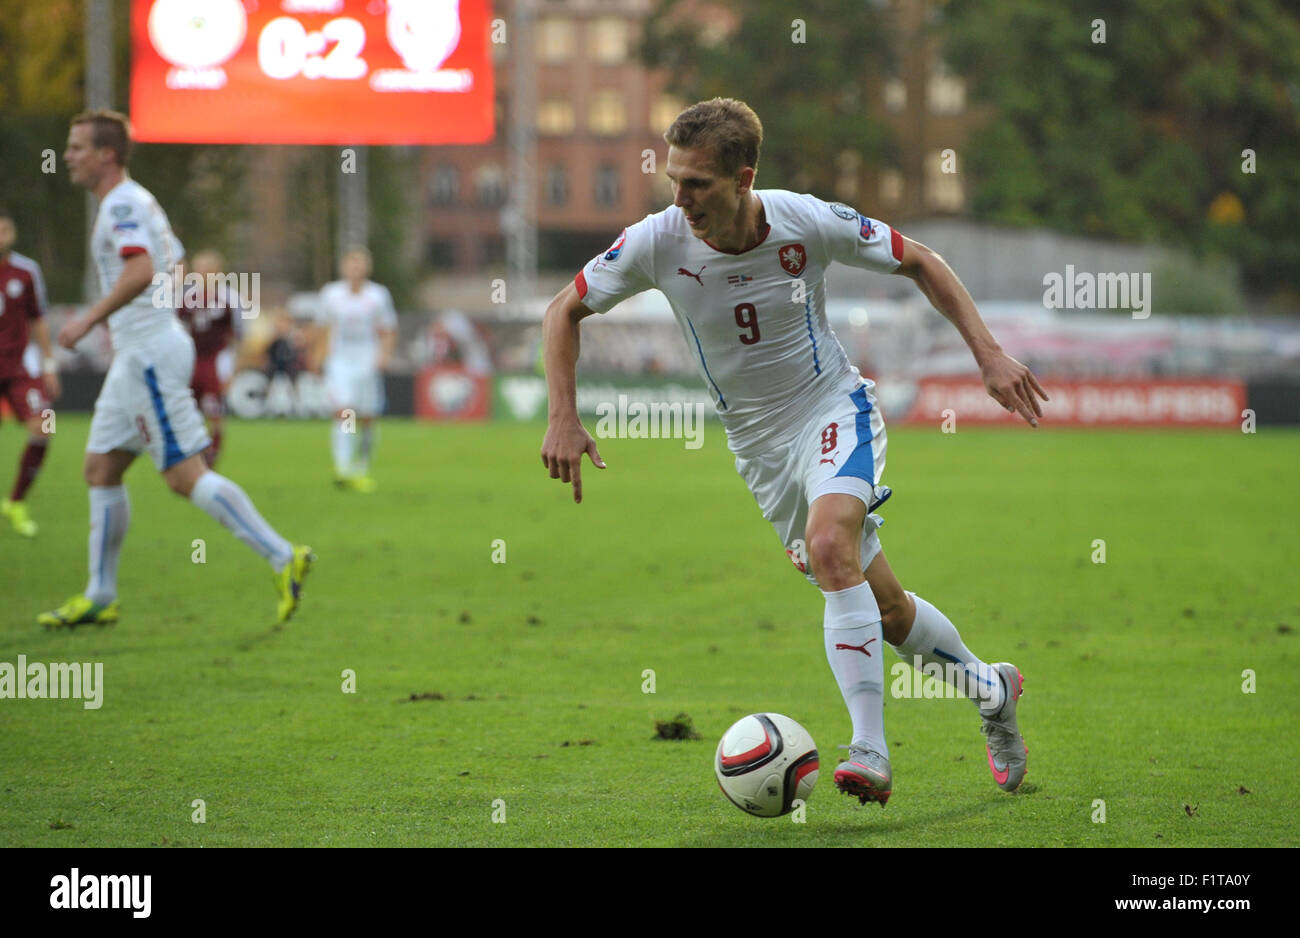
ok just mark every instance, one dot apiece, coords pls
pixel 793 259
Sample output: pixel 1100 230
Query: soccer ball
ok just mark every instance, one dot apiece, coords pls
pixel 764 762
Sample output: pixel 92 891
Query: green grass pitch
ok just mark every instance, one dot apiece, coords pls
pixel 533 727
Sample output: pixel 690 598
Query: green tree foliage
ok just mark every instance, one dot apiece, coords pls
pixel 811 95
pixel 1140 136
pixel 40 87
pixel 202 187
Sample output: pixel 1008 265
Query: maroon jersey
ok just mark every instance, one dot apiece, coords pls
pixel 211 322
pixel 21 300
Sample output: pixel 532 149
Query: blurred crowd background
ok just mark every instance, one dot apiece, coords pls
pixel 1013 136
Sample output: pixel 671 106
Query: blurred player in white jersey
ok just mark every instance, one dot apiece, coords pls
pixel 744 270
pixel 145 403
pixel 22 315
pixel 356 318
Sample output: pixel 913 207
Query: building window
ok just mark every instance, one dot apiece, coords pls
pixel 848 168
pixel 557 186
pixel 608 41
pixel 895 95
pixel 608 115
pixel 606 192
pixel 946 91
pixel 943 191
pixel 555 40
pixel 555 117
pixel 446 185
pixel 664 111
pixel 440 253
pixel 891 187
pixel 492 250
pixel 490 186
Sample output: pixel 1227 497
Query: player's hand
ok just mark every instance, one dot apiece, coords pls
pixel 52 387
pixel 562 452
pixel 72 331
pixel 1013 386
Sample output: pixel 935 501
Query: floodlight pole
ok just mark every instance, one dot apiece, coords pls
pixel 354 198
pixel 520 216
pixel 99 94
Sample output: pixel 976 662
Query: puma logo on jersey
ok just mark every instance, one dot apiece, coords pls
pixel 823 462
pixel 686 273
pixel 862 648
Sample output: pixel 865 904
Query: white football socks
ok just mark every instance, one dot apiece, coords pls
pixel 110 515
pixel 935 646
pixel 342 444
pixel 227 502
pixel 853 649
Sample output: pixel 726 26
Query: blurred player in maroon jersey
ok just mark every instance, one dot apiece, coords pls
pixel 22 313
pixel 209 312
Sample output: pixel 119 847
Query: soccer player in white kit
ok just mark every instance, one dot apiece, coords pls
pixel 744 273
pixel 359 317
pixel 145 403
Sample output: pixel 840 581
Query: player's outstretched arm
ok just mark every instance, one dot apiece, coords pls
pixel 137 274
pixel 1008 382
pixel 566 439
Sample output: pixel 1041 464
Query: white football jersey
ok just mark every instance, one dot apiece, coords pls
pixel 130 221
pixel 355 321
pixel 756 320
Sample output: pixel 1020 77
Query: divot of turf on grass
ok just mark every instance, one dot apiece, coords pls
pixel 679 727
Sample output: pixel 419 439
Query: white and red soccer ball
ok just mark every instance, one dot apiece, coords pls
pixel 765 763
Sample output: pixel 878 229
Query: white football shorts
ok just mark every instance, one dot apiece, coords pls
pixel 352 388
pixel 146 402
pixel 839 450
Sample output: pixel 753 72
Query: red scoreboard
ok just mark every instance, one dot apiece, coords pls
pixel 311 71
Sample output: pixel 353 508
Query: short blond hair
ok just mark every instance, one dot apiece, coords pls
pixel 726 127
pixel 109 129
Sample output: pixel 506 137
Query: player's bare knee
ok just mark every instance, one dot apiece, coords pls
pixel 96 472
pixel 834 558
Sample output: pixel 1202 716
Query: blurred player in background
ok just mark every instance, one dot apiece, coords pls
pixel 744 272
pixel 145 403
pixel 210 313
pixel 22 317
pixel 356 319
